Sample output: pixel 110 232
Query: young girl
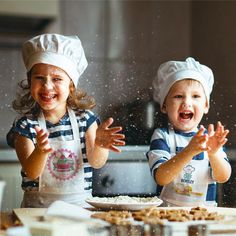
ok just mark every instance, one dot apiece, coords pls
pixel 58 140
pixel 185 158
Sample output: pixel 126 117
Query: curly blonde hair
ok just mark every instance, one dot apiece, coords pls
pixel 25 103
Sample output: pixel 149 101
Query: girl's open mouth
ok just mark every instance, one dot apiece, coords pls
pixel 47 98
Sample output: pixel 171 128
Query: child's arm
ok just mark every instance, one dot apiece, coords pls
pixel 167 171
pixel 220 167
pixel 33 159
pixel 100 139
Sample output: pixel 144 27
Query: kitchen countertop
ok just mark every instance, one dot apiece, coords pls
pixel 128 153
pixel 33 216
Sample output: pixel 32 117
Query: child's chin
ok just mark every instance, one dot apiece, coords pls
pixel 187 128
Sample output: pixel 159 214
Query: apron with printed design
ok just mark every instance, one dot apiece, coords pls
pixel 63 175
pixel 189 188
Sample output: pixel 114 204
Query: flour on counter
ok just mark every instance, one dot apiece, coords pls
pixel 125 199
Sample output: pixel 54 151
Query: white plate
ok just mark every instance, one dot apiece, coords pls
pixel 122 206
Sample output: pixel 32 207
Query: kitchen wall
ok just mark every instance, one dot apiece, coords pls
pixel 213 41
pixel 125 41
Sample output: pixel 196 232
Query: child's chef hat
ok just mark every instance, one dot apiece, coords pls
pixel 173 71
pixel 65 52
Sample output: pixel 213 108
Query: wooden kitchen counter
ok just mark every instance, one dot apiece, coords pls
pixel 8 219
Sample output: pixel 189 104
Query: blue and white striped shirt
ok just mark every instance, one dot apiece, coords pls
pixel 61 131
pixel 160 152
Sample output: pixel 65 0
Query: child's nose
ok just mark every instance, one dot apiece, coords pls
pixel 48 83
pixel 186 103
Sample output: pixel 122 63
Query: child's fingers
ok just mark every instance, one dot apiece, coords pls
pixel 118 136
pixel 220 128
pixel 115 129
pixel 45 146
pixel 205 149
pixel 222 139
pixel 40 132
pixel 38 129
pixel 224 142
pixel 106 123
pixel 118 142
pixel 42 137
pixel 114 148
pixel 219 125
pixel 200 131
pixel 42 140
pixel 211 130
pixel 226 132
pixel 202 139
pixel 221 133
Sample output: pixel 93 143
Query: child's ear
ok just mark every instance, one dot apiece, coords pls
pixel 206 108
pixel 163 109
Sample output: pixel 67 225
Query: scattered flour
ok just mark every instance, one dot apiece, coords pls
pixel 125 199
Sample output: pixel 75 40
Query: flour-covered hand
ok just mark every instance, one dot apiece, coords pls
pixel 42 140
pixel 109 137
pixel 198 142
pixel 217 138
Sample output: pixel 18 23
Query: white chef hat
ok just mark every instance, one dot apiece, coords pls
pixel 65 52
pixel 173 71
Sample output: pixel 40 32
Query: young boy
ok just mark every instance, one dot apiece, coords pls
pixel 184 158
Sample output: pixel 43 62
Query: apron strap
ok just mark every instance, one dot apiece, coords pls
pixel 172 140
pixel 42 122
pixel 73 120
pixel 74 124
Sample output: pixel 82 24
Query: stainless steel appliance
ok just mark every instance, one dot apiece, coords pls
pixel 126 173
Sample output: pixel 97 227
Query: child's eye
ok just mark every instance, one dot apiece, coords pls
pixel 39 77
pixel 57 79
pixel 196 96
pixel 178 96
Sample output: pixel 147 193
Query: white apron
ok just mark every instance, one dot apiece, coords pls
pixel 189 188
pixel 63 175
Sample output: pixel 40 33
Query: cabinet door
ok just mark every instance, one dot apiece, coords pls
pixel 12 196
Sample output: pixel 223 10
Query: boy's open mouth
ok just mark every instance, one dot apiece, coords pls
pixel 186 115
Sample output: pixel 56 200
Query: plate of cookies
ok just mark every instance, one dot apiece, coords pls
pixel 123 202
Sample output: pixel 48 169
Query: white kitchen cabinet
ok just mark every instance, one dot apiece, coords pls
pixel 12 196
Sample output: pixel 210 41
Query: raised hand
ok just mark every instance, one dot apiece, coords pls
pixel 198 143
pixel 42 140
pixel 216 138
pixel 109 137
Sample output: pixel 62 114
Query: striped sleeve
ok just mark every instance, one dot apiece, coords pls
pixel 23 127
pixel 159 149
pixel 85 120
